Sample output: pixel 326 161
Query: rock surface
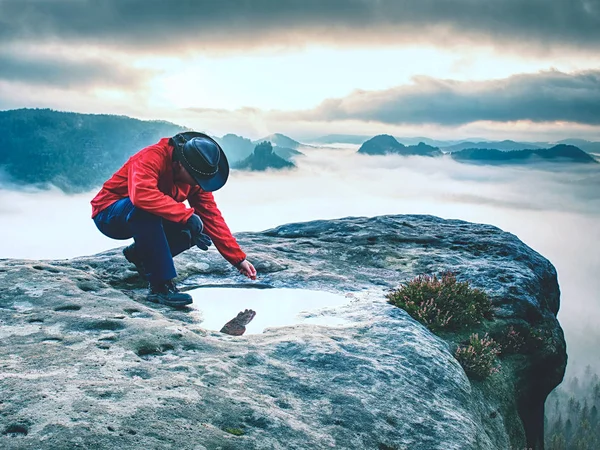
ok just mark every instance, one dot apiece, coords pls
pixel 86 364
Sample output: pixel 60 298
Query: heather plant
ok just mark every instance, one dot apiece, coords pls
pixel 479 357
pixel 442 303
pixel 537 337
pixel 511 341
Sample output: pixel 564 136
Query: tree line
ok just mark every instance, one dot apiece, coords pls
pixel 572 421
pixel 75 152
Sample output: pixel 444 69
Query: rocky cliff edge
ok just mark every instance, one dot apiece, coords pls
pixel 85 363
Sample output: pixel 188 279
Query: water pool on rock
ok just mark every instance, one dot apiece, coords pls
pixel 274 307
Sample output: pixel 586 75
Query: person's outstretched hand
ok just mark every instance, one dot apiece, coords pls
pixel 246 268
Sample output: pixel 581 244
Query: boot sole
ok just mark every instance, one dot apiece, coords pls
pixel 154 299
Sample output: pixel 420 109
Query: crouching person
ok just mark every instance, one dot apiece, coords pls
pixel 144 199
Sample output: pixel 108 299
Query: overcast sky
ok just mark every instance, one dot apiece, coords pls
pixel 521 69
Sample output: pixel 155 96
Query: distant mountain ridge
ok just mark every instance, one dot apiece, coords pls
pixel 279 140
pixel 425 140
pixel 460 144
pixel 73 151
pixel 586 146
pixel 79 152
pixel 506 145
pixel 340 139
pixel 238 148
pixel 384 144
pixel 558 153
pixel 286 153
pixel 362 138
pixel 263 158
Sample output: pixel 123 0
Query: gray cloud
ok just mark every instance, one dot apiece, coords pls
pixel 66 73
pixel 543 97
pixel 202 25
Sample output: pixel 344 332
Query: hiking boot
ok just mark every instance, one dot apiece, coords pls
pixel 132 256
pixel 166 293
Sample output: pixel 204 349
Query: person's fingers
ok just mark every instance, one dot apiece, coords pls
pixel 247 270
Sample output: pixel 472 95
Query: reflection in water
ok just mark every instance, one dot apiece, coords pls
pixel 274 307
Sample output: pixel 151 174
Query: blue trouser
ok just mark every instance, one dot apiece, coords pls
pixel 157 240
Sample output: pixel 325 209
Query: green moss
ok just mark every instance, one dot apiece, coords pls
pixel 234 431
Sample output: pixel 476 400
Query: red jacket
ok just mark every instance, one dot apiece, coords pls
pixel 147 179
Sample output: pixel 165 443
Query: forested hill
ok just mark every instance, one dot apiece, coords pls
pixel 75 152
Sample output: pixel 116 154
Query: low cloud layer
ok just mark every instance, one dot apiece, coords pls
pixel 200 25
pixel 544 97
pixel 66 72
